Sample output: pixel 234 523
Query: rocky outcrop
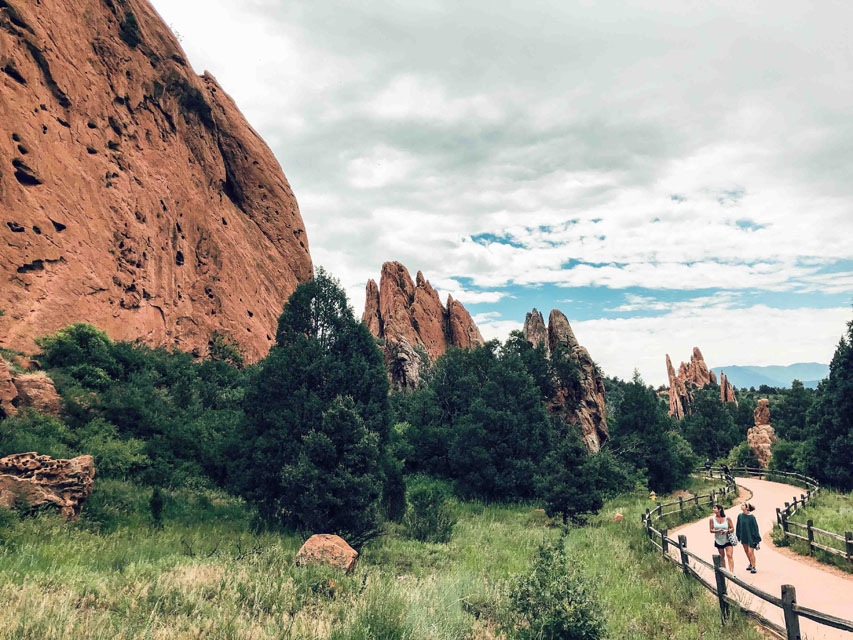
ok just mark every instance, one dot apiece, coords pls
pixel 327 549
pixel 40 481
pixel 678 396
pixel 9 399
pixel 534 329
pixel 727 391
pixel 580 400
pixel 691 376
pixel 36 391
pixel 409 317
pixel 27 391
pixel 762 436
pixel 134 195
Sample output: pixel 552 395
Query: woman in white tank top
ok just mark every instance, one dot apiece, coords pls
pixel 721 526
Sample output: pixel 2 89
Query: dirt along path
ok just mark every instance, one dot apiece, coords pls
pixel 827 591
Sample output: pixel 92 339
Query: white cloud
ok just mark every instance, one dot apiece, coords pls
pixel 379 168
pixel 406 129
pixel 757 335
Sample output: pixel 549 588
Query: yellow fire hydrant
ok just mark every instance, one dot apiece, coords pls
pixel 652 496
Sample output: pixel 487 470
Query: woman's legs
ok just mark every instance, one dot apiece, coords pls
pixel 750 554
pixel 722 553
pixel 730 552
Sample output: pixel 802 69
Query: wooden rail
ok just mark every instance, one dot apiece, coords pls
pixel 788 600
pixel 783 515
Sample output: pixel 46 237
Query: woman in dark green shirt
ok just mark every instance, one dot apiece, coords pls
pixel 747 532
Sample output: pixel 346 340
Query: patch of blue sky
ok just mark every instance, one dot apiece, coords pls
pixel 486 239
pixel 595 302
pixel 749 225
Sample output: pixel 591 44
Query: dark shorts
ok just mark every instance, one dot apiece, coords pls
pixel 722 546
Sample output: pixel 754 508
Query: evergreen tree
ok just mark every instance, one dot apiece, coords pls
pixel 568 481
pixel 789 415
pixel 479 420
pixel 641 434
pixel 313 406
pixel 711 429
pixel 828 451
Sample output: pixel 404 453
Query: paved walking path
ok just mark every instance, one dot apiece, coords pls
pixel 825 591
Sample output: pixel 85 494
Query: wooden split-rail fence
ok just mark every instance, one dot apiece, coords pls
pixel 787 600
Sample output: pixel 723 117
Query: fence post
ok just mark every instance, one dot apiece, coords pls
pixel 664 545
pixel 721 588
pixel 682 547
pixel 681 504
pixel 792 621
pixel 848 543
pixel 778 516
pixel 785 522
pixel 696 498
pixel 810 533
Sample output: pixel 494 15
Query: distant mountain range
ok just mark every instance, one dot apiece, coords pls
pixel 809 373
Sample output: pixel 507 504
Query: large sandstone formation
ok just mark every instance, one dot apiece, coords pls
pixel 409 317
pixel 27 390
pixel 327 549
pixel 582 404
pixel 762 436
pixel 727 391
pixel 691 376
pixel 40 481
pixel 133 193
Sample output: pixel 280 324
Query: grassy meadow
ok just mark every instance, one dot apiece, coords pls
pixel 830 511
pixel 207 573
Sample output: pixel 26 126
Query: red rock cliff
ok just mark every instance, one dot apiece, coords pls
pixel 691 376
pixel 409 316
pixel 133 193
pixel 584 405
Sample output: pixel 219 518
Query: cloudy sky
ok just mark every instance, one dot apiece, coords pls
pixel 668 174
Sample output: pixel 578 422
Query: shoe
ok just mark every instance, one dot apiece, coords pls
pixel 753 570
pixel 749 568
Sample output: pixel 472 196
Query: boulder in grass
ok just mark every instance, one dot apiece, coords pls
pixel 41 481
pixel 327 549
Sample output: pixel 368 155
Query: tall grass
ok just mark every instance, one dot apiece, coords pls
pixel 208 574
pixel 830 511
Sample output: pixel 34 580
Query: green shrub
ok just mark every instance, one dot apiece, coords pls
pixel 742 455
pixel 430 516
pixel 32 431
pixel 114 457
pixel 155 505
pixel 8 523
pixel 553 601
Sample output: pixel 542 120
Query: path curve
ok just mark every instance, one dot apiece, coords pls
pixel 825 591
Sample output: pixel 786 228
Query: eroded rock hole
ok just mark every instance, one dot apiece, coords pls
pixel 179 258
pixel 24 174
pixel 10 70
pixel 58 226
pixel 15 227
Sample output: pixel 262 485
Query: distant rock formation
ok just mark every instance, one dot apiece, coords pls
pixel 762 436
pixel 134 194
pixel 40 481
pixel 409 317
pixel 20 391
pixel 583 405
pixel 727 391
pixel 691 376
